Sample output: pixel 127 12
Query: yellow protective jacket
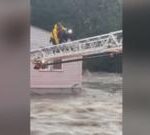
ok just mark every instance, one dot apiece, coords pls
pixel 54 34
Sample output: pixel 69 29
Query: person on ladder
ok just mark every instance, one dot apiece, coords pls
pixel 54 35
pixel 60 34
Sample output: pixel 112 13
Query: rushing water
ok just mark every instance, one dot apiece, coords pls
pixel 97 110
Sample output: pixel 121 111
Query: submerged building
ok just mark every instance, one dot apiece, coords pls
pixel 59 76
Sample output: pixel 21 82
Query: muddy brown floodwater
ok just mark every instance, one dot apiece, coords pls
pixel 97 110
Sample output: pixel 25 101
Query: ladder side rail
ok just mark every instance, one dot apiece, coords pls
pixel 68 43
pixel 70 46
pixel 82 40
pixel 99 36
pixel 79 47
pixel 59 51
pixel 118 38
pixel 82 53
pixel 93 47
pixel 101 50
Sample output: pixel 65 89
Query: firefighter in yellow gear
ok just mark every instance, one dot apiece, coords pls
pixel 55 35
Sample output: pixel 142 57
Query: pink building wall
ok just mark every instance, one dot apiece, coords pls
pixel 68 77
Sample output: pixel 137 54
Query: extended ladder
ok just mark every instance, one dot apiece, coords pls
pixel 83 47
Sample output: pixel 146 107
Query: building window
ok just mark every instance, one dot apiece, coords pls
pixel 57 66
pixel 47 68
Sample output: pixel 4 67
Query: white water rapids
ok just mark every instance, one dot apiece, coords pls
pixel 96 111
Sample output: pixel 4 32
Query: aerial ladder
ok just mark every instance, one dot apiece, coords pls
pixel 110 42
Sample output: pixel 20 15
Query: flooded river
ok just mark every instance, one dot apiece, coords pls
pixel 97 110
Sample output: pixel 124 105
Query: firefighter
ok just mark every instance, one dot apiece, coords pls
pixel 61 33
pixel 54 35
pixel 57 34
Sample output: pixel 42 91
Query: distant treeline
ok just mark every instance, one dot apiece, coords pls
pixel 85 17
